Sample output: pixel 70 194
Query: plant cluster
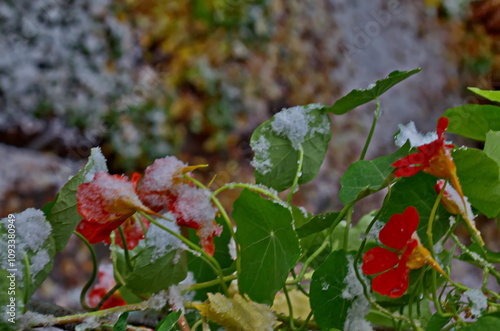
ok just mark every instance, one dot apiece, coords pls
pixel 271 265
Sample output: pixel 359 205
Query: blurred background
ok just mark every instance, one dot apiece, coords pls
pixel 194 78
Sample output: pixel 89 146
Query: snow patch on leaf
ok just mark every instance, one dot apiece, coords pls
pixel 360 307
pixel 160 240
pixel 261 162
pixel 294 124
pixel 410 132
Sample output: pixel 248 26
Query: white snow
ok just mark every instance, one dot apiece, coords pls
pixel 32 231
pixel 30 318
pixel 261 161
pixel 478 300
pixel 410 132
pixel 160 240
pixel 97 162
pixel 90 323
pixel 294 123
pixel 360 306
pixel 157 301
pixel 38 262
pixel 161 174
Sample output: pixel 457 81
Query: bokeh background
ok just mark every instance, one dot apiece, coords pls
pixel 194 78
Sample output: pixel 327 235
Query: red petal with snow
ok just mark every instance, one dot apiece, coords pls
pixel 398 231
pixel 392 283
pixel 96 232
pixel 378 259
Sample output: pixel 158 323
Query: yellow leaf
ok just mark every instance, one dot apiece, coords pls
pixel 237 313
pixel 300 304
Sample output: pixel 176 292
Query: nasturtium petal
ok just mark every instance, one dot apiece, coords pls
pixel 356 97
pixel 64 215
pixel 398 231
pixel 379 259
pixel 392 283
pixel 269 246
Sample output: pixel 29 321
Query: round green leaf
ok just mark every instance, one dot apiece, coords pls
pixel 473 121
pixel 479 177
pixel 269 245
pixel 276 146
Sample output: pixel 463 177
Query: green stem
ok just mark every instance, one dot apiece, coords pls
pixel 253 187
pixel 297 174
pixel 211 261
pixel 372 129
pixel 347 228
pixel 325 243
pixel 430 240
pixel 225 217
pixel 290 309
pixel 93 276
pixel 107 295
pixel 27 279
pixel 125 249
pixel 199 286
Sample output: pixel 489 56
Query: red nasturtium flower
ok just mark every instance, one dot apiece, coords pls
pixel 404 253
pixel 165 188
pixel 433 158
pixel 105 203
pixel 105 282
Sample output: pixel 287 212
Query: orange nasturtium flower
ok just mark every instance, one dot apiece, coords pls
pixel 433 158
pixel 133 229
pixel 404 252
pixel 105 203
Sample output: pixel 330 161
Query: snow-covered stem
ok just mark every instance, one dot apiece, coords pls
pixel 376 116
pixel 251 187
pixel 79 318
pixel 209 259
pixel 477 260
pixel 300 163
pixel 93 276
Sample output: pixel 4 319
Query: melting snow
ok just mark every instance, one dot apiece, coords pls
pixel 409 132
pixel 360 306
pixel 294 123
pixel 162 241
pixel 261 161
pixel 97 162
pixel 478 300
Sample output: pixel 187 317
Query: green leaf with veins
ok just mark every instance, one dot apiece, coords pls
pixel 357 98
pixel 269 245
pixel 363 177
pixel 276 154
